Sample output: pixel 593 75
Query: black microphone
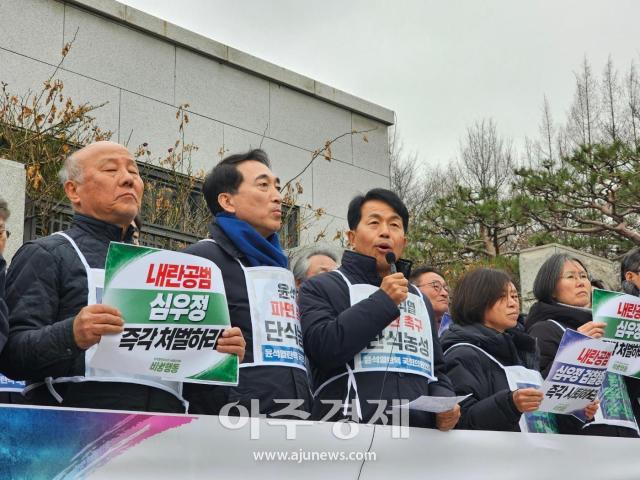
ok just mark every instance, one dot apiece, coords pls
pixel 390 257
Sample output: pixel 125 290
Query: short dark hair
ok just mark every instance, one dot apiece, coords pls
pixel 548 276
pixel 226 178
pixel 476 292
pixel 630 263
pixel 416 273
pixel 5 213
pixel 354 214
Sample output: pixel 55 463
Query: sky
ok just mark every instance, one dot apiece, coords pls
pixel 439 65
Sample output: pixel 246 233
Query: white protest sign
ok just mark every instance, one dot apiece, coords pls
pixel 175 309
pixel 576 374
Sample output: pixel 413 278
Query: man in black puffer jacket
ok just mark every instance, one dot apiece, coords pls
pixel 369 335
pixel 54 287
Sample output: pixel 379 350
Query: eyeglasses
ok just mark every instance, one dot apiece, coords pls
pixel 576 276
pixel 6 232
pixel 437 286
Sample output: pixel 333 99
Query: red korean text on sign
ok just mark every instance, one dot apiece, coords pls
pixel 169 275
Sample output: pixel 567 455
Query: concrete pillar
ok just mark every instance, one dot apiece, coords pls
pixel 12 189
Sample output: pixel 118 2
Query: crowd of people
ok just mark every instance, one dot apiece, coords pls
pixel 375 332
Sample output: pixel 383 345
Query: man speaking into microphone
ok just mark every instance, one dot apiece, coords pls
pixel 369 335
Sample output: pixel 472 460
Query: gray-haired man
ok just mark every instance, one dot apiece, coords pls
pixel 313 261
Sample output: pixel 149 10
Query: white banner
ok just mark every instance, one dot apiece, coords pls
pixel 64 443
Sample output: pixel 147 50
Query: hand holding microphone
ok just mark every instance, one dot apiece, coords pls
pixel 395 285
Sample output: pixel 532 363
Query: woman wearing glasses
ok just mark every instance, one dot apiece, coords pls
pixel 563 291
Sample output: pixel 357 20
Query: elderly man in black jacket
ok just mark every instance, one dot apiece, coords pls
pixel 244 196
pixel 369 335
pixel 54 289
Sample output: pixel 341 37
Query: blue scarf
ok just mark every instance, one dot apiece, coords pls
pixel 259 251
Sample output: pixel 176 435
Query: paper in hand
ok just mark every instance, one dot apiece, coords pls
pixel 433 404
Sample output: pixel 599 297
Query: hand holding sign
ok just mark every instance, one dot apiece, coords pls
pixel 593 329
pixel 527 399
pixel 591 409
pixel 93 321
pixel 233 342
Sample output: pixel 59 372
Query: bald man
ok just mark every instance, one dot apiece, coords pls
pixel 54 288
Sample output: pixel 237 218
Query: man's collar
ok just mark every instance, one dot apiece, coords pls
pixel 102 229
pixel 368 266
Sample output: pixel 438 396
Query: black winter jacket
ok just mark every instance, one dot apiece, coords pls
pixel 491 405
pixel 334 332
pixel 547 332
pixel 264 383
pixel 46 288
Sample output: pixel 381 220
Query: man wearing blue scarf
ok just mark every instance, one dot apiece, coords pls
pixel 244 198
